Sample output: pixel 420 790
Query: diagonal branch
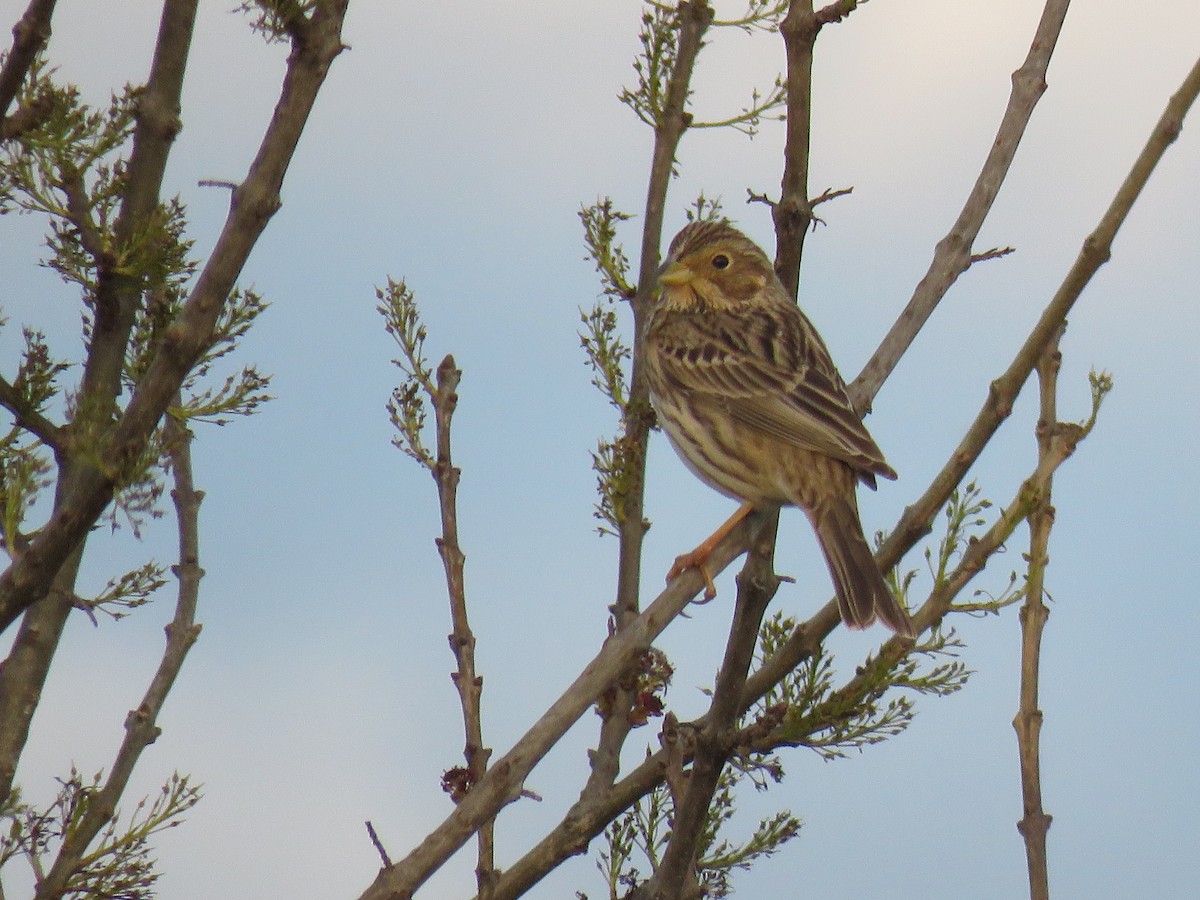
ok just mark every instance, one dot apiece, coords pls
pixel 30 35
pixel 30 419
pixel 952 256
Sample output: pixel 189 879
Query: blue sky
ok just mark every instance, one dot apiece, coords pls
pixel 453 148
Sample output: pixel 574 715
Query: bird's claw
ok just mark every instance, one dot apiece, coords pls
pixel 699 562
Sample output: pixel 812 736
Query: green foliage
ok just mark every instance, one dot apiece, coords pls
pixel 615 462
pixel 640 835
pixel 406 407
pixel 834 720
pixel 25 467
pixel 1101 383
pixel 704 209
pixel 37 374
pixel 277 20
pixel 659 37
pixel 616 467
pixel 70 167
pixel 25 472
pixel 600 223
pixel 719 857
pixel 239 394
pixel 64 165
pixel 965 517
pixel 121 866
pixel 128 591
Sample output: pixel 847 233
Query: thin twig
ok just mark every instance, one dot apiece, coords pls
pixel 444 398
pixel 378 844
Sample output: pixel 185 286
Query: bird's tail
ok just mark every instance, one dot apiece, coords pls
pixel 862 594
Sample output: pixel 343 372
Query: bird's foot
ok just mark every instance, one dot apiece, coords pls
pixel 698 560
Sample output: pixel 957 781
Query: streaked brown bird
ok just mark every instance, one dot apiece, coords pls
pixel 751 401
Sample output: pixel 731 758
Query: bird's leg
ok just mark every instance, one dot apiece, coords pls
pixel 698 558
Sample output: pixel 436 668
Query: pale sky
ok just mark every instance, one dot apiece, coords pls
pixel 453 146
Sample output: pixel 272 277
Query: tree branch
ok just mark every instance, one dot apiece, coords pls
pixel 1028 721
pixel 793 211
pixel 49 563
pixel 30 35
pixel 141 729
pixel 952 256
pixel 254 202
pixel 467 681
pixel 30 419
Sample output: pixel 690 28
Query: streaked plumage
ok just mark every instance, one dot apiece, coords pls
pixel 750 399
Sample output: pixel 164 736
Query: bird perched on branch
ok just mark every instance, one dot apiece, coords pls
pixel 751 401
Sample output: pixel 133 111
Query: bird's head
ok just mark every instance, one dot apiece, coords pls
pixel 712 265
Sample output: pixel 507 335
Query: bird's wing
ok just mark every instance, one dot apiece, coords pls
pixel 768 368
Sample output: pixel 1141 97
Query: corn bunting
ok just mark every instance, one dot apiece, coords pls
pixel 751 401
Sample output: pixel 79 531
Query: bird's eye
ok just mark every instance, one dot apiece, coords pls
pixel 720 261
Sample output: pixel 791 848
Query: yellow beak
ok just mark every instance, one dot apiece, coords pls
pixel 675 274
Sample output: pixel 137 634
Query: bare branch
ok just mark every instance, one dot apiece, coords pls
pixel 1028 721
pixel 462 641
pixel 792 213
pixel 953 254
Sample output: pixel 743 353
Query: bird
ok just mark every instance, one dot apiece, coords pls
pixel 748 396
